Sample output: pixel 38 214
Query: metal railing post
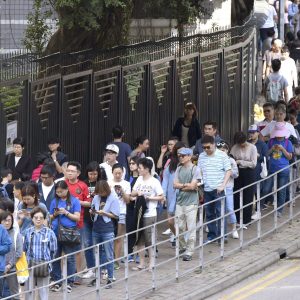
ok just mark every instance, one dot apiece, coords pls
pixel 65 275
pixel 126 266
pixel 177 247
pixel 275 201
pixel 97 270
pixel 153 242
pixel 291 194
pixel 201 236
pixel 241 220
pixel 258 210
pixel 31 293
pixel 223 220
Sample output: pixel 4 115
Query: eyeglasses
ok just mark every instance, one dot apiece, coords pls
pixel 38 218
pixel 206 147
pixel 220 144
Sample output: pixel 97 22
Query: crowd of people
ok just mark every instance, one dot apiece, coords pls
pixel 57 209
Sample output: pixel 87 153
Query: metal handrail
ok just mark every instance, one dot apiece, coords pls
pixel 201 245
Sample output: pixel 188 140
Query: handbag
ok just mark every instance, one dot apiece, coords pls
pixel 67 235
pixel 41 268
pixel 264 170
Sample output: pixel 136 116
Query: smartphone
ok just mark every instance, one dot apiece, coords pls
pixel 56 209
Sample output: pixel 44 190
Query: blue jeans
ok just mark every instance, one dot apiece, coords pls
pixel 282 179
pixel 71 262
pixel 87 242
pixel 1 284
pixel 213 211
pixel 106 252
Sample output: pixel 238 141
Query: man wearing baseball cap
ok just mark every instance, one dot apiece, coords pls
pixel 262 152
pixel 187 199
pixel 111 153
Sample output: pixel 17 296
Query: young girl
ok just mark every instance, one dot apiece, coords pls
pixel 30 200
pixel 223 146
pixel 123 190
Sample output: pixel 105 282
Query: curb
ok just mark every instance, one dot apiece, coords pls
pixel 247 271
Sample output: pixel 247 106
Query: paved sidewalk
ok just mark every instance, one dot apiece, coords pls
pixel 216 275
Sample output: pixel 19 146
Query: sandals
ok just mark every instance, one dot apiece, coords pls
pixel 138 268
pixel 55 288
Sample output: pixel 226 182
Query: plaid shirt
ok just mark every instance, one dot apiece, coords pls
pixel 40 245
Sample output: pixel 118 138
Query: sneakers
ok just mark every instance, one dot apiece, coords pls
pixel 206 229
pixel 186 257
pixel 130 258
pixel 108 284
pixel 167 232
pixel 173 245
pixel 137 259
pixel 181 251
pixel 172 238
pixel 55 288
pixel 279 214
pixel 89 274
pixel 235 234
pixel 255 216
pixel 69 288
pixel 116 266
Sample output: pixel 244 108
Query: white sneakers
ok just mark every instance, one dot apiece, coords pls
pixel 235 234
pixel 88 274
pixel 255 216
pixel 167 232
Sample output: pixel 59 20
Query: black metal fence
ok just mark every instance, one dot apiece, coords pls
pixel 80 99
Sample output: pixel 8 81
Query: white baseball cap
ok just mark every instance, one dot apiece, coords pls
pixel 113 148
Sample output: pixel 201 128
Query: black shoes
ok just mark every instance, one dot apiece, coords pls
pixel 187 258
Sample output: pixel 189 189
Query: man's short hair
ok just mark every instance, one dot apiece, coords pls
pixel 53 140
pixel 48 170
pixel 268 104
pixel 212 123
pixel 285 49
pixel 276 64
pixel 146 163
pixel 5 172
pixel 207 139
pixel 19 141
pixel 117 132
pixel 75 164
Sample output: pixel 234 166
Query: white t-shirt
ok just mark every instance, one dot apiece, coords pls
pixel 127 190
pixel 268 129
pixel 108 171
pixel 150 187
pixel 271 13
pixel 46 190
pixel 17 158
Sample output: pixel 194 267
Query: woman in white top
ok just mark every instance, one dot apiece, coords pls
pixel 149 187
pixel 122 189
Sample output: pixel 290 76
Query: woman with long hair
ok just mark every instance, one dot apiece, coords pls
pixel 187 128
pixel 169 191
pixel 64 212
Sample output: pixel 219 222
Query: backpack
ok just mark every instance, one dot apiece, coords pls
pixel 3 191
pixel 274 90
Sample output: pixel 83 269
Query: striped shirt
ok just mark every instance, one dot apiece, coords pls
pixel 40 245
pixel 213 168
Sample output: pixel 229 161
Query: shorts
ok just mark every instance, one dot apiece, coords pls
pixel 146 238
pixel 122 219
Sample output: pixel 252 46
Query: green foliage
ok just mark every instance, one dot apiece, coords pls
pixel 10 98
pixel 38 31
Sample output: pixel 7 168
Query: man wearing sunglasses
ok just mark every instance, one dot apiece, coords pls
pixel 268 110
pixel 215 168
pixel 186 179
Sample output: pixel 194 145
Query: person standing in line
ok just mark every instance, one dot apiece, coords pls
pixel 5 246
pixel 165 153
pixel 268 110
pixel 40 245
pixel 269 23
pixel 16 250
pixel 46 186
pixel 187 200
pixel 289 71
pixel 216 171
pixel 18 162
pixel 150 188
pixel 79 190
pixel 57 155
pixel 209 128
pixel 124 149
pixel 187 128
pixel 142 146
pixel 245 155
pixel 123 190
pixel 111 153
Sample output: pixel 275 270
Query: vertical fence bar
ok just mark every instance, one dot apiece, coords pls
pixel 241 220
pixel 290 189
pixel 31 293
pixel 65 275
pixel 126 266
pixel 223 220
pixel 275 201
pixel 258 210
pixel 97 270
pixel 153 242
pixel 177 247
